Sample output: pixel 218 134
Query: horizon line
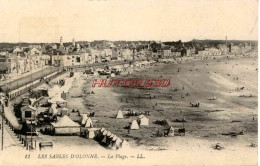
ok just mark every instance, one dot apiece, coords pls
pixel 130 40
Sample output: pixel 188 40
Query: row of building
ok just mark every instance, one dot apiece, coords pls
pixel 26 59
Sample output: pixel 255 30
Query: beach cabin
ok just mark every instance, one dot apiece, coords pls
pixel 28 113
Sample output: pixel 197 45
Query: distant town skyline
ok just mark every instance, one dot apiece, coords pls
pixel 46 21
pixel 58 41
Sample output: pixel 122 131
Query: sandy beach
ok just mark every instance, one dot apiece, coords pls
pixel 232 82
pixel 234 109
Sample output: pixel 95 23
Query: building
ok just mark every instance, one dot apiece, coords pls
pixel 213 51
pixel 8 64
pixel 70 60
pixel 209 51
pixel 28 113
pixel 175 53
pixel 223 48
pixel 167 53
pixel 203 53
pixel 190 51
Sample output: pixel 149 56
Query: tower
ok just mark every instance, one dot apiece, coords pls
pixel 73 42
pixel 61 41
pixel 226 41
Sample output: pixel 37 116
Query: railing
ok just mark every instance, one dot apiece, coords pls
pixel 24 140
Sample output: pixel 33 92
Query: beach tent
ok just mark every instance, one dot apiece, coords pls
pixel 90 134
pixel 95 73
pixel 109 134
pixel 134 125
pixel 54 91
pixel 89 123
pixel 112 135
pixel 100 134
pixel 117 144
pixel 119 115
pixel 113 141
pixel 170 131
pixel 66 126
pixel 102 130
pixel 143 121
pixel 125 144
pixel 109 139
pixel 53 109
pixel 104 140
pixel 113 75
pixel 114 138
pixel 54 105
pixel 84 118
pixel 104 135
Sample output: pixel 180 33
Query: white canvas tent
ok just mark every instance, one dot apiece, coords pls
pixel 109 133
pixel 66 126
pixel 89 123
pixel 54 91
pixel 134 125
pixel 104 133
pixel 109 140
pixel 112 142
pixel 117 143
pixel 143 121
pixel 54 105
pixel 90 134
pixel 170 131
pixel 102 129
pixel 125 144
pixel 119 115
pixel 84 118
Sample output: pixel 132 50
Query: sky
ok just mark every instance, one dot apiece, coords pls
pixel 164 20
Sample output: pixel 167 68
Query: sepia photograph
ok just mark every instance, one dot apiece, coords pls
pixel 128 82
